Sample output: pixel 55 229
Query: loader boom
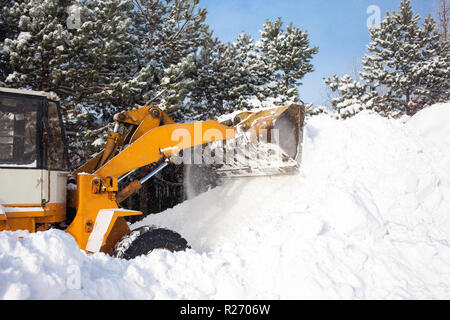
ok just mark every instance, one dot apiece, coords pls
pixel 148 142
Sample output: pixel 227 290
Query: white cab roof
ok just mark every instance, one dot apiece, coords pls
pixel 49 95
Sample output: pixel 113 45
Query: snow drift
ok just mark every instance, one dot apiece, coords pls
pixel 367 218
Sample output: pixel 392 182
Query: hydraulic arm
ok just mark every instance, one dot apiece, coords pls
pixel 99 223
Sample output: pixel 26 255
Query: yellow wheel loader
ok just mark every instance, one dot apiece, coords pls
pixel 38 191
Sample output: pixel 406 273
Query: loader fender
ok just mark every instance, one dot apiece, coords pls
pixel 104 224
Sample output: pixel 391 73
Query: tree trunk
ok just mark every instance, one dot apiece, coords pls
pixel 407 106
pixel 443 14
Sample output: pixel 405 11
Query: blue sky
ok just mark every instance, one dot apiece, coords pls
pixel 337 27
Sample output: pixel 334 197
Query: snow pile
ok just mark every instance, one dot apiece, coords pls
pixel 367 218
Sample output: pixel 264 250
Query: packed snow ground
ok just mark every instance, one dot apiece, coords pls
pixel 368 217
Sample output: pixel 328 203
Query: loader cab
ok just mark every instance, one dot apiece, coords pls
pixel 33 153
pixel 31 131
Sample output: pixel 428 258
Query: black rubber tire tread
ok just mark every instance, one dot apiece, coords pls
pixel 144 240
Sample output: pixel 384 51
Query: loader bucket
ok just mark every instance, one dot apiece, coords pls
pixel 267 142
pixel 290 126
pixel 285 124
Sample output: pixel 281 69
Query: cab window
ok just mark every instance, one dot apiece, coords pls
pixel 18 118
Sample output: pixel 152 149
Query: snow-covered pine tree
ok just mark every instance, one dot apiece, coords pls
pixel 288 55
pixel 90 67
pixel 221 78
pixel 198 87
pixel 100 62
pixel 7 31
pixel 178 81
pixel 168 31
pixel 353 96
pixel 124 48
pixel 250 74
pixel 432 70
pixel 102 58
pixel 218 79
pixel 34 51
pixel 409 60
pixel 407 68
pixel 316 111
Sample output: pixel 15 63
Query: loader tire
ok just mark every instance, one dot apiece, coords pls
pixel 144 240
